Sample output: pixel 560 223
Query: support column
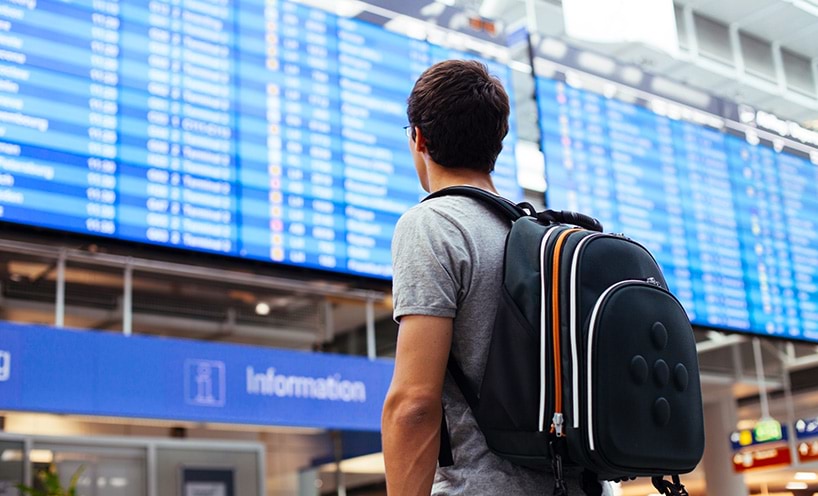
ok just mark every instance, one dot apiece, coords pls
pixel 127 301
pixel 27 464
pixel 153 471
pixel 59 307
pixel 338 450
pixel 329 322
pixel 309 482
pixel 371 347
pixel 720 419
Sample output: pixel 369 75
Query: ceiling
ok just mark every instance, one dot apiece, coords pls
pixel 790 24
pixel 778 21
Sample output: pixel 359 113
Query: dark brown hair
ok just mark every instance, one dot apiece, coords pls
pixel 462 112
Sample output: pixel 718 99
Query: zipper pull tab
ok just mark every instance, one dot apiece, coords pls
pixel 558 424
pixel 653 281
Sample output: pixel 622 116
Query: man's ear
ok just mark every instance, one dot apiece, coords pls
pixel 420 141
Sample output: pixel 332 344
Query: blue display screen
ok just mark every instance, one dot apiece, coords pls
pixel 731 223
pixel 260 129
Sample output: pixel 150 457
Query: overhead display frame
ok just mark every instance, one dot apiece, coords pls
pixel 725 196
pixel 268 130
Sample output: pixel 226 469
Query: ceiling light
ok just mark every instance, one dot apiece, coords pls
pixel 262 308
pixel 596 63
pixel 796 485
pixel 632 75
pixel 518 66
pixel 492 9
pixel 573 79
pixel 806 476
pixel 119 481
pixel 282 302
pixel 11 456
pixel 434 9
pixel 553 48
pixel 458 22
pixel 349 8
pixel 366 464
pixel 343 8
pixel 437 36
pixel 407 26
pixel 546 69
pixel 41 456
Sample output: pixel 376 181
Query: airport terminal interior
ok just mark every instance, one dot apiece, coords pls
pixel 197 200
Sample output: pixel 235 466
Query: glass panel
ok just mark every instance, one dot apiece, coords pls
pixel 104 471
pixel 11 467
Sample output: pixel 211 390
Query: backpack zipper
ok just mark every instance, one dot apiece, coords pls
pixel 650 281
pixel 543 288
pixel 573 326
pixel 557 421
pixel 573 317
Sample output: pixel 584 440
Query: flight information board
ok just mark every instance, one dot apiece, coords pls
pixel 263 129
pixel 731 221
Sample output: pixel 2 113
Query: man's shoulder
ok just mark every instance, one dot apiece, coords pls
pixel 436 211
pixel 438 205
pixel 455 210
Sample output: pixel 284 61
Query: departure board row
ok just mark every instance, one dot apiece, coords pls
pixel 264 129
pixel 731 220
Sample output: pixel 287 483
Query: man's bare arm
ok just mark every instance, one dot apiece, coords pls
pixel 412 411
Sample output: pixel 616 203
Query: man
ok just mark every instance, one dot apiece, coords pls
pixel 448 259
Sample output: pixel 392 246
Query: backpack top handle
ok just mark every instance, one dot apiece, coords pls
pixel 513 212
pixel 568 217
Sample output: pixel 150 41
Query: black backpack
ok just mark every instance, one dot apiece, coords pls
pixel 592 360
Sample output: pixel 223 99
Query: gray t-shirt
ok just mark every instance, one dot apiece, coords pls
pixel 447 255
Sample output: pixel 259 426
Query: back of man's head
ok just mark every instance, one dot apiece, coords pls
pixel 462 112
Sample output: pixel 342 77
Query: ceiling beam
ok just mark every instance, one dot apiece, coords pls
pixel 759 14
pixel 798 33
pixel 719 343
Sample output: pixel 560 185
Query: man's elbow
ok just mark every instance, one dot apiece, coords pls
pixel 412 410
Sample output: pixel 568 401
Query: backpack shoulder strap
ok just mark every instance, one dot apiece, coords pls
pixel 445 457
pixel 500 205
pixel 513 211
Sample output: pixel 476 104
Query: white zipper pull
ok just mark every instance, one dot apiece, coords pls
pixel 653 281
pixel 558 424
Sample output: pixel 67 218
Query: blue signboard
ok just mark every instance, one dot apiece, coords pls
pixel 749 437
pixel 43 369
pixel 806 428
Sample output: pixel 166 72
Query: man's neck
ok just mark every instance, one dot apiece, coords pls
pixel 441 177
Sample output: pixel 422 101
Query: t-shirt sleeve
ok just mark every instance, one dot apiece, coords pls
pixel 429 264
